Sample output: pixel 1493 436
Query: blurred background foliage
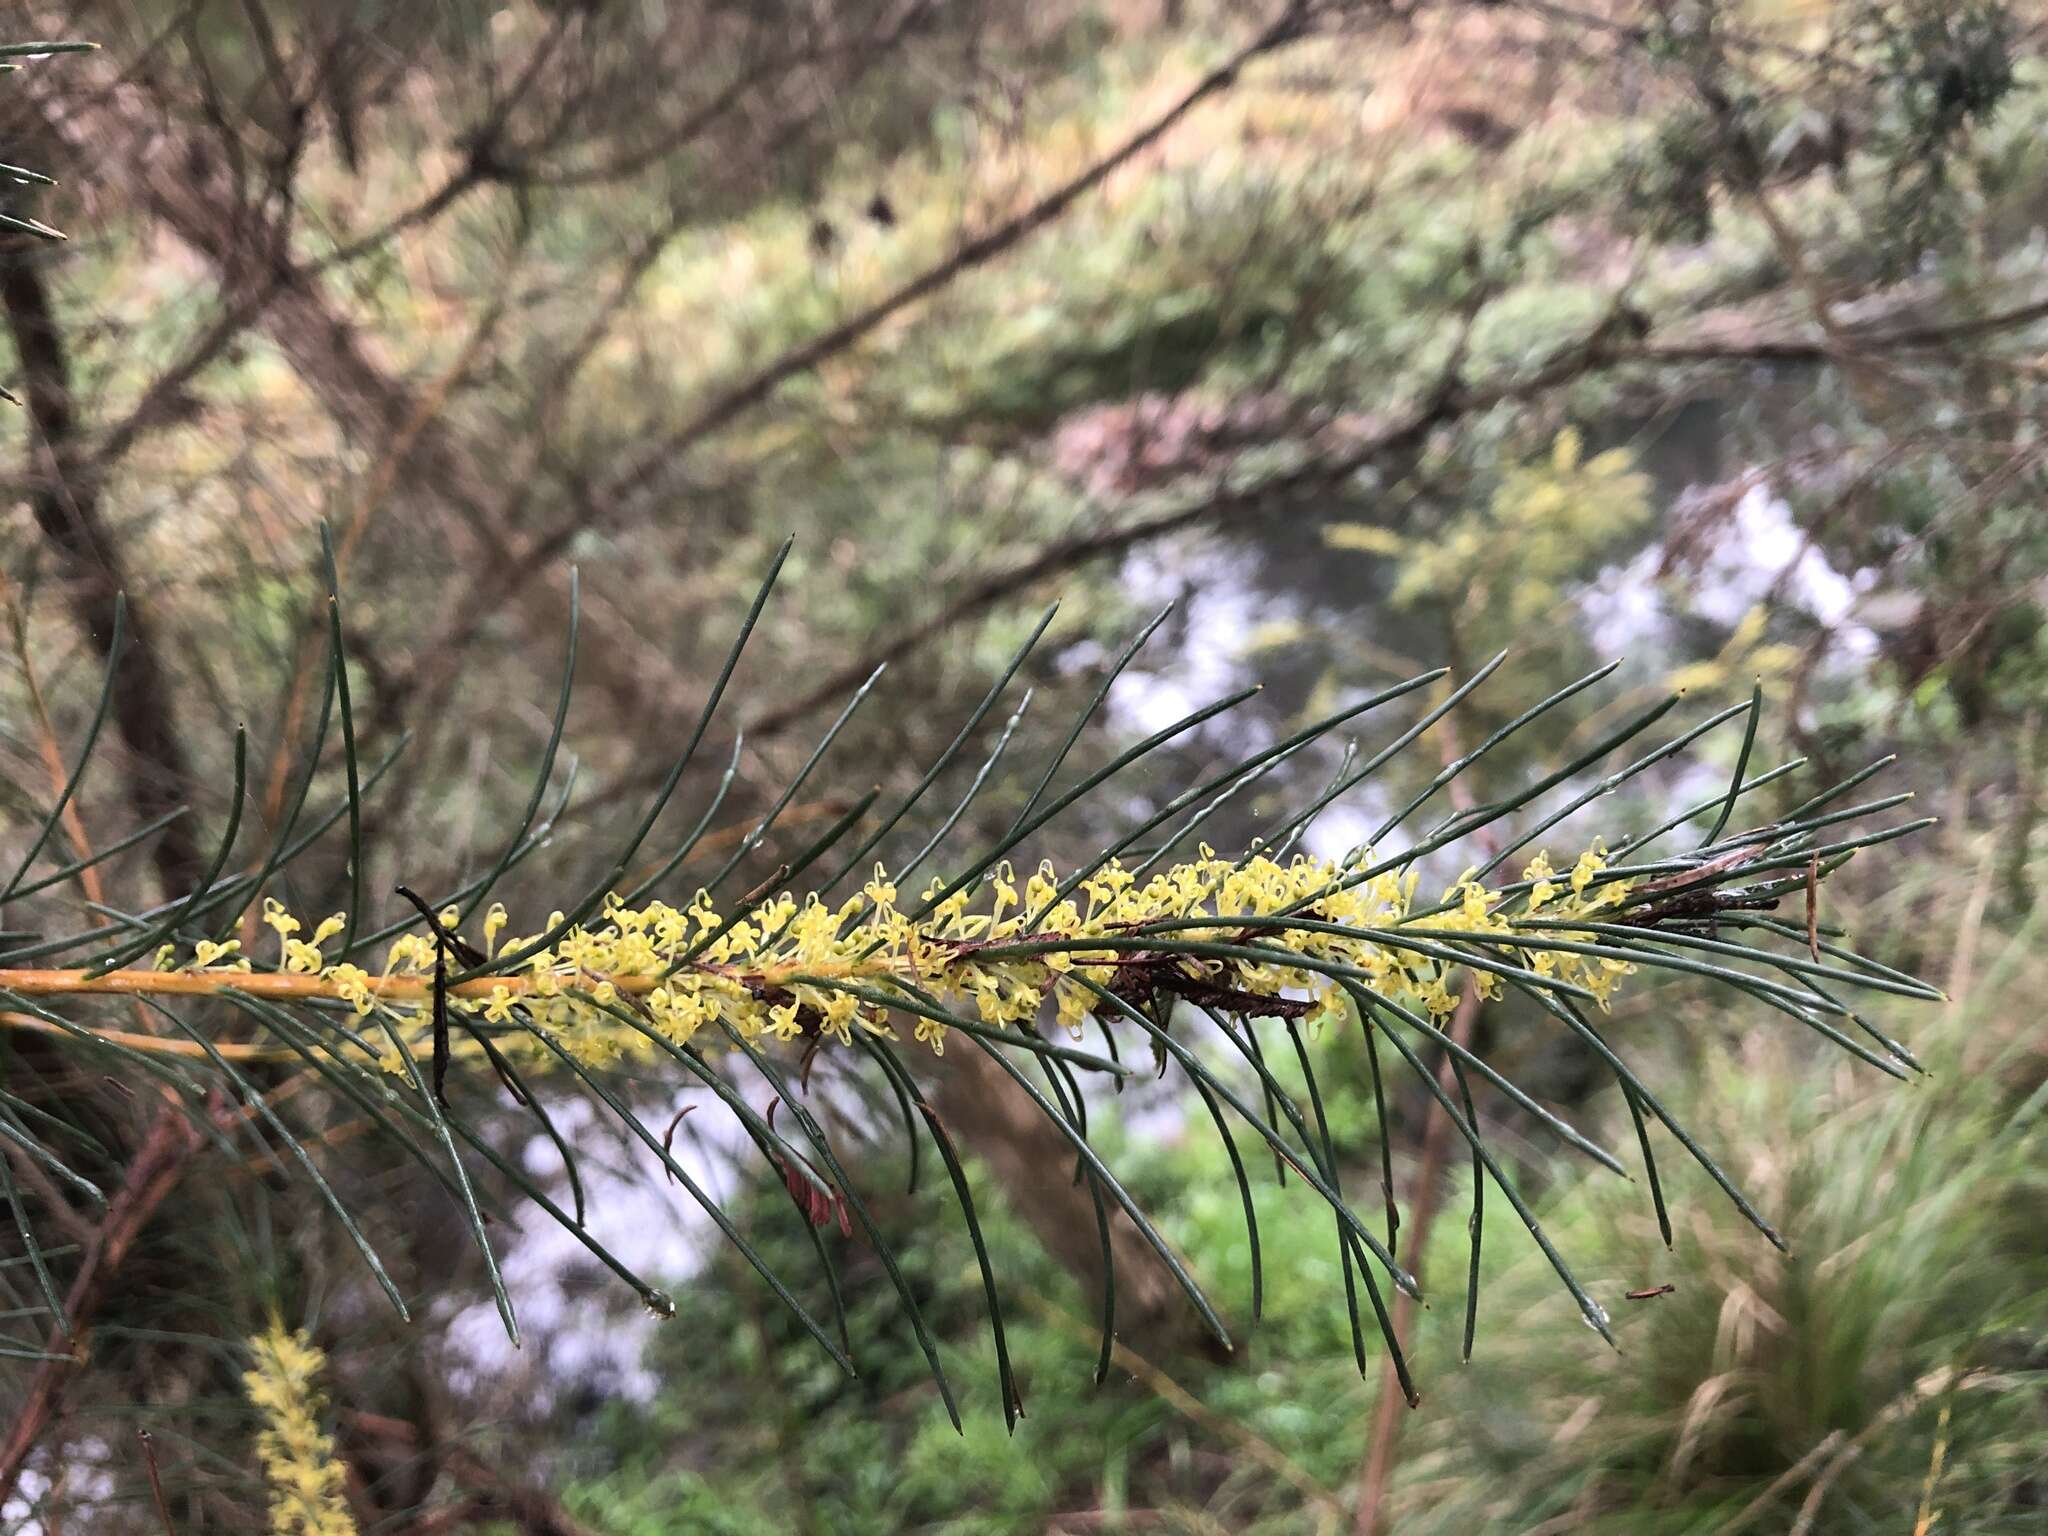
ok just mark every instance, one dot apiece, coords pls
pixel 1708 336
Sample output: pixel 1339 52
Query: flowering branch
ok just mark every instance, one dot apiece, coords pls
pixel 1148 948
pixel 1250 937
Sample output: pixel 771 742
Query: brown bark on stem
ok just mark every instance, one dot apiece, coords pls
pixel 65 500
pixel 1034 1165
pixel 1383 1444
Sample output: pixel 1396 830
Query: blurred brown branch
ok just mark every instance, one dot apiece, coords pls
pixel 154 1172
pixel 65 500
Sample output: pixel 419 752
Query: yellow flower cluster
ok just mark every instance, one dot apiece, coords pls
pixel 794 967
pixel 1597 974
pixel 306 1481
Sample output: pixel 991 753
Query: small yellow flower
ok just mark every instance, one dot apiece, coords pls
pixel 494 924
pixel 303 959
pixel 1591 862
pixel 1474 901
pixel 207 953
pixel 351 984
pixel 413 952
pixel 783 1023
pixel 839 1012
pixel 1073 1009
pixel 276 917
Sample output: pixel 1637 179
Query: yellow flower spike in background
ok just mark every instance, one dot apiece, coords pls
pixel 307 1480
